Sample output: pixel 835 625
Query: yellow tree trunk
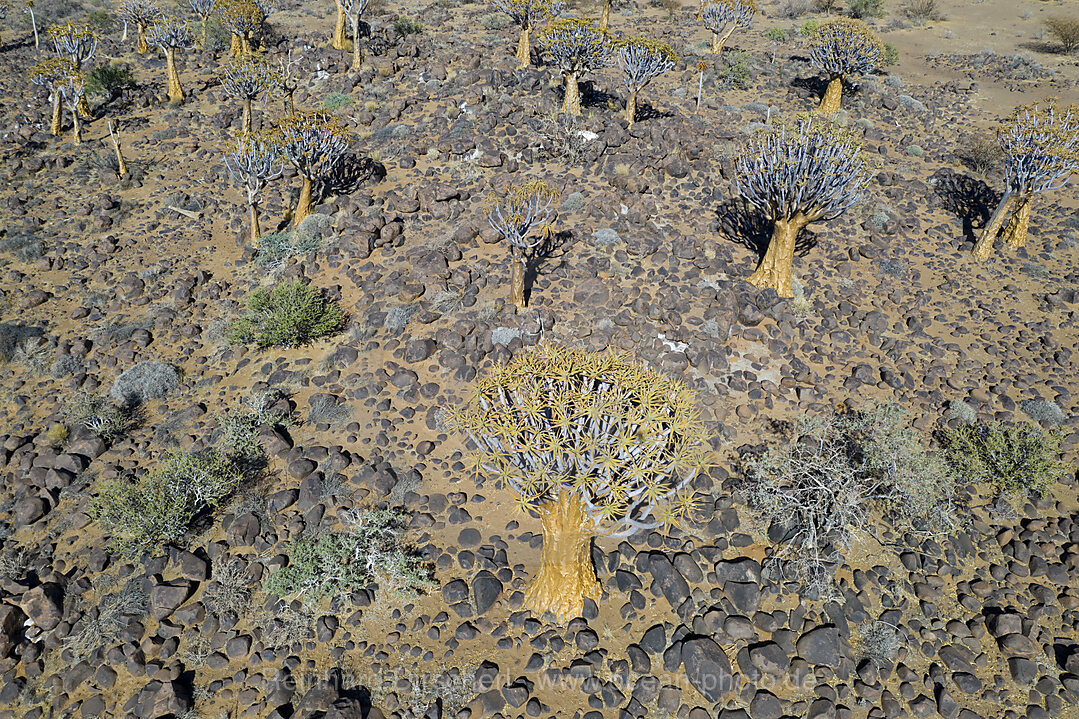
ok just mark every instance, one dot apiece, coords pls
pixel 340 29
pixel 517 279
pixel 55 124
pixel 235 47
pixel 1015 234
pixel 566 575
pixel 524 50
pixel 357 54
pixel 303 205
pixel 245 45
pixel 605 16
pixel 76 137
pixel 631 107
pixel 84 106
pixel 140 44
pixel 833 96
pixel 719 40
pixel 176 93
pixel 984 246
pixel 253 207
pixel 203 45
pixel 572 102
pixel 245 127
pixel 775 268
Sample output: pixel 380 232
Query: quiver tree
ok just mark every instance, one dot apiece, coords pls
pixel 1040 143
pixel 525 14
pixel 51 74
pixel 514 217
pixel 339 41
pixel 142 14
pixel 844 47
pixel 575 46
pixel 285 82
pixel 242 18
pixel 77 42
pixel 723 17
pixel 314 143
pixel 73 88
pixel 247 78
pixel 254 160
pixel 641 60
pixel 605 15
pixel 797 174
pixel 171 34
pixel 29 9
pixel 204 10
pixel 354 10
pixel 592 443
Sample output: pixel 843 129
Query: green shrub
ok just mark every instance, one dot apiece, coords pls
pixel 734 69
pixel 816 490
pixel 100 19
pixel 240 426
pixel 863 9
pixel 276 247
pixel 891 54
pixel 218 38
pixel 776 34
pixel 289 314
pixel 109 80
pixel 335 101
pixel 1016 460
pixel 808 28
pixel 339 563
pixel 406 26
pixel 158 507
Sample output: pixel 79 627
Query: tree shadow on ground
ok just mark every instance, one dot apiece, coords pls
pixel 351 173
pixel 646 111
pixel 817 86
pixel 966 197
pixel 747 226
pixel 554 247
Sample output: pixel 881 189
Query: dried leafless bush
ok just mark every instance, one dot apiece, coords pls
pixel 1065 29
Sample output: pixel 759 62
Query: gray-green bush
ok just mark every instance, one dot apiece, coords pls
pixel 1016 460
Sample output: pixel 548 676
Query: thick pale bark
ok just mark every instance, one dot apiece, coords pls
pixel 340 29
pixel 254 209
pixel 76 137
pixel 176 93
pixel 140 45
pixel 1015 234
pixel 631 107
pixel 517 280
pixel 572 101
pixel 55 125
pixel 524 49
pixel 605 16
pixel 121 166
pixel 775 268
pixel 833 96
pixel 357 54
pixel 984 246
pixel 245 45
pixel 289 104
pixel 566 575
pixel 235 46
pixel 303 205
pixel 246 123
pixel 719 40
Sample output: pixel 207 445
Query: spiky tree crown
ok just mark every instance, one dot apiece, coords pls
pixel 521 209
pixel 527 13
pixel 139 12
pixel 1041 147
pixel 625 439
pixel 812 167
pixel 717 15
pixel 576 45
pixel 76 41
pixel 247 77
pixel 254 157
pixel 314 142
pixel 202 8
pixel 642 59
pixel 73 86
pixel 354 8
pixel 52 72
pixel 241 17
pixel 846 47
pixel 169 32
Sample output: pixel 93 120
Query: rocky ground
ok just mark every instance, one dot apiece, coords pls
pixel 99 275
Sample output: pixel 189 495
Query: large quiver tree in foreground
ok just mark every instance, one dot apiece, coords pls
pixel 526 14
pixel 314 143
pixel 595 445
pixel 797 174
pixel 253 160
pixel 1041 151
pixel 840 48
pixel 576 46
pixel 514 217
pixel 641 60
